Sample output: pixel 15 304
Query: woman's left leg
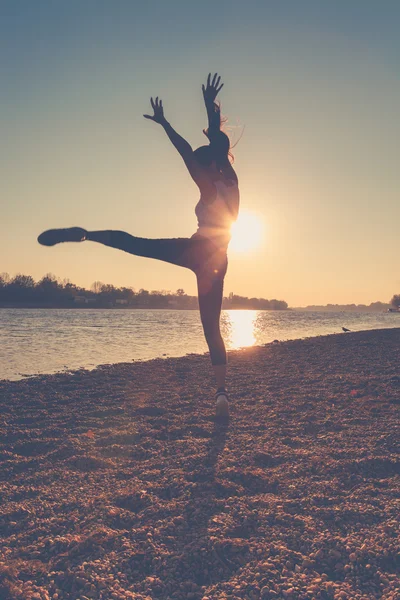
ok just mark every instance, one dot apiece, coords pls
pixel 210 290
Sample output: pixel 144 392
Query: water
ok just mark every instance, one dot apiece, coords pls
pixel 36 341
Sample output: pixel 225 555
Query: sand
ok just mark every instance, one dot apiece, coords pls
pixel 117 483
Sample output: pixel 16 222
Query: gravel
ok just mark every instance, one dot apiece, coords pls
pixel 117 483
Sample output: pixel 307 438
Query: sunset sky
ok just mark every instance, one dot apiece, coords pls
pixel 313 86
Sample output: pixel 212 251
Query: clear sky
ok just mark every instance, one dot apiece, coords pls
pixel 315 83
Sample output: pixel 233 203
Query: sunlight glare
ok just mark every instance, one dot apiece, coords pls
pixel 240 328
pixel 247 233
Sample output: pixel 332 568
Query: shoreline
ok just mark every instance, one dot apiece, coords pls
pixel 320 309
pixel 89 307
pixel 28 377
pixel 117 483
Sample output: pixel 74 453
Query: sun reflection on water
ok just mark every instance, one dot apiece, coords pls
pixel 239 328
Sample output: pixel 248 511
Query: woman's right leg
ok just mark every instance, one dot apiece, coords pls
pixel 175 251
pixel 178 251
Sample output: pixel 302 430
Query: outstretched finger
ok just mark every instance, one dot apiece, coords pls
pixel 161 103
pixel 149 117
pixel 156 101
pixel 152 103
pixel 218 80
pixel 209 80
pixel 214 79
pixel 220 88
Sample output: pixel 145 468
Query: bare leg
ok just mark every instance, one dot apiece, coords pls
pixel 177 251
pixel 220 375
pixel 210 302
pixel 210 288
pixel 103 237
pixel 191 253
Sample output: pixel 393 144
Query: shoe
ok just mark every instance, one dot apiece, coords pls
pixel 51 237
pixel 222 405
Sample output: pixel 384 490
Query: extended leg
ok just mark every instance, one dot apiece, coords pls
pixel 177 251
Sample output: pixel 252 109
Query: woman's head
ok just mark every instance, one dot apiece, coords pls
pixel 204 156
pixel 216 152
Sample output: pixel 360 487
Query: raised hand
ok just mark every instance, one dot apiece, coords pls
pixel 158 116
pixel 212 90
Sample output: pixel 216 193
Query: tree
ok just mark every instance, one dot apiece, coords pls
pixel 4 279
pixel 108 294
pixel 48 290
pixel 97 287
pixel 22 281
pixel 49 281
pixel 20 289
pixel 395 301
pixel 126 294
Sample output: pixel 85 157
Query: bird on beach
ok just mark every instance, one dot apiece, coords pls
pixel 345 330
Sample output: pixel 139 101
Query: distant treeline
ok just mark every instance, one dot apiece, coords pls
pixel 22 291
pixel 374 306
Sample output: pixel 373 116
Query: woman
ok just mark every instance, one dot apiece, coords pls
pixel 205 253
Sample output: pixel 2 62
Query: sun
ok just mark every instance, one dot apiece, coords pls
pixel 247 233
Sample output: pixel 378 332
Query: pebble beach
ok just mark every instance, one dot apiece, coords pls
pixel 117 483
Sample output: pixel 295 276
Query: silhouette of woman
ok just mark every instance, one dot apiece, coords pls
pixel 205 253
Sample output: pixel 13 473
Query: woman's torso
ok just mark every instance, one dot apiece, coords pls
pixel 216 212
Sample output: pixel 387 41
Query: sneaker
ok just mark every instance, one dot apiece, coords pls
pixel 222 405
pixel 51 237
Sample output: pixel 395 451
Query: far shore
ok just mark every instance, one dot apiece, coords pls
pixel 87 307
pixel 318 309
pixel 90 306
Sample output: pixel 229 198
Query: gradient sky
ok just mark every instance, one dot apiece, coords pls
pixel 315 83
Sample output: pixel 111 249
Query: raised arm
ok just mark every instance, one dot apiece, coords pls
pixel 210 93
pixel 183 147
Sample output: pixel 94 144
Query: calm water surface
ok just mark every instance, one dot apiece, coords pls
pixel 36 341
